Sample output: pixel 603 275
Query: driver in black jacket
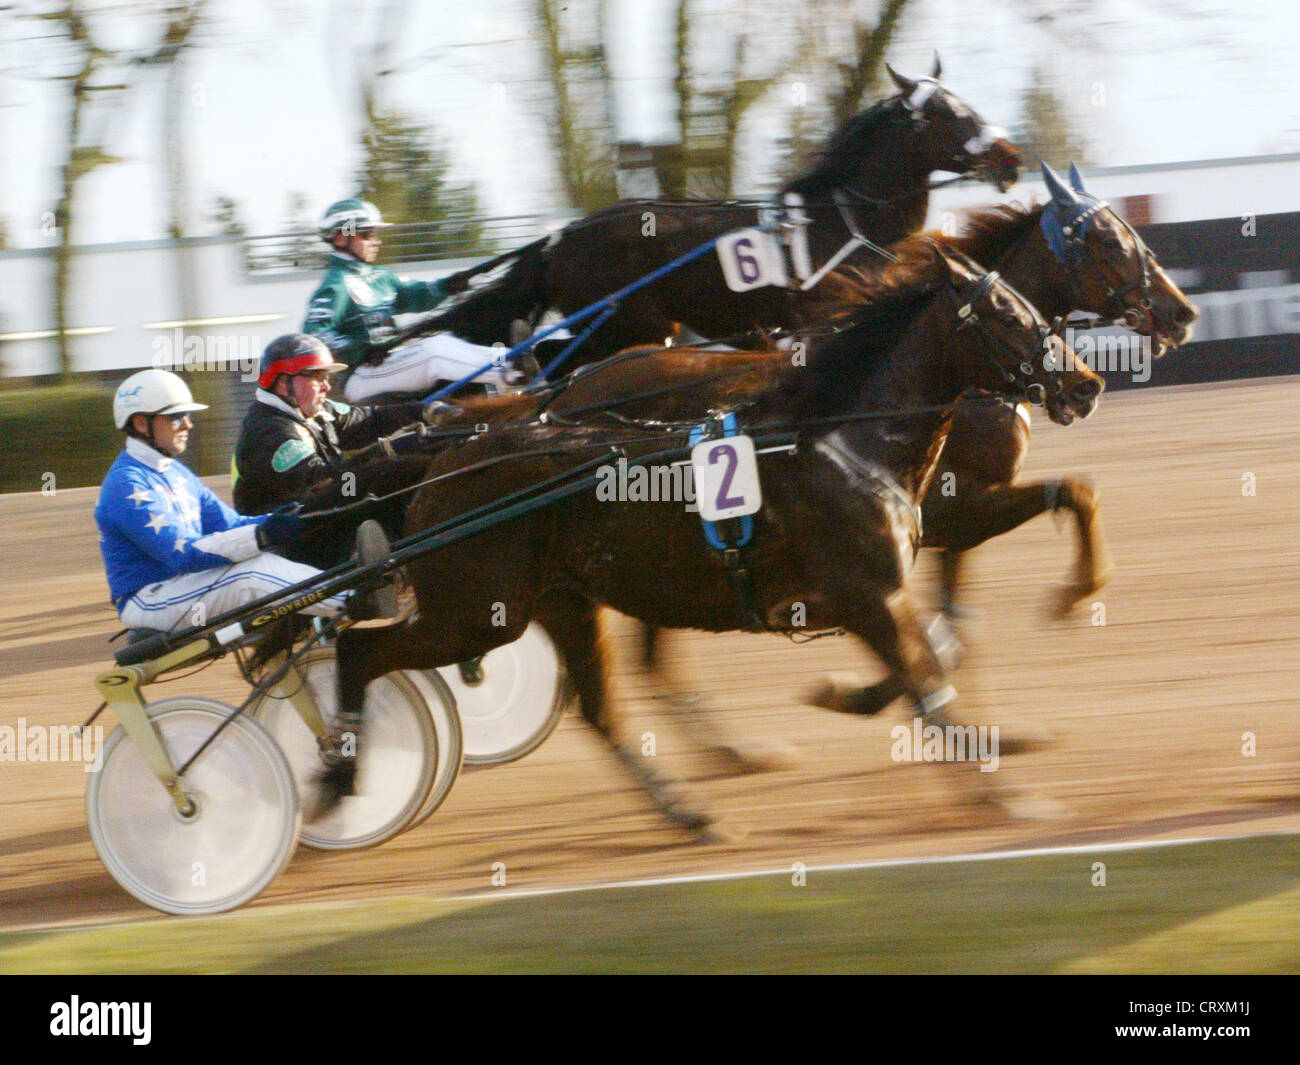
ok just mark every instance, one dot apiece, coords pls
pixel 294 437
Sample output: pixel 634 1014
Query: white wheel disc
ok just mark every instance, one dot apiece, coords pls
pixel 243 833
pixel 516 703
pixel 451 745
pixel 398 755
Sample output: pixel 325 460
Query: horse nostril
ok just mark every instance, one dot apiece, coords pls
pixel 1086 391
pixel 1186 314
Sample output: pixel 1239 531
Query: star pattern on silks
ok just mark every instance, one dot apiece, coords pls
pixel 180 544
pixel 140 496
pixel 187 507
pixel 157 522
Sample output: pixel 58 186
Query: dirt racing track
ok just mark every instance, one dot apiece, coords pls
pixel 1144 718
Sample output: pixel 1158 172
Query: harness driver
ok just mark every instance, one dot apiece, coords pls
pixel 352 312
pixel 173 551
pixel 294 437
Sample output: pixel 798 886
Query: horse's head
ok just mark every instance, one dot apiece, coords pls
pixel 956 138
pixel 1113 272
pixel 1004 346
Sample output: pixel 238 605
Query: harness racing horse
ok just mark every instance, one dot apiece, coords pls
pixel 837 532
pixel 872 179
pixel 1070 254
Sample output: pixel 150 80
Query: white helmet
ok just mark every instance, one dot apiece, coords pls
pixel 152 392
pixel 347 216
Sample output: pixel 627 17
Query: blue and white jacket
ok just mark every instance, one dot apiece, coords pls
pixel 157 520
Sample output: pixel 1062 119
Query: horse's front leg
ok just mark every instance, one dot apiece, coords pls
pixel 890 626
pixel 976 514
pixel 887 623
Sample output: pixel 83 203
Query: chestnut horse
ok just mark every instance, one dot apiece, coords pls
pixel 871 407
pixel 873 177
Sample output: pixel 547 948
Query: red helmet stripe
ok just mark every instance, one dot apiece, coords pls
pixel 297 364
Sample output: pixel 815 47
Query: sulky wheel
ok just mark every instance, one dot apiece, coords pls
pixel 398 751
pixel 451 744
pixel 510 700
pixel 242 833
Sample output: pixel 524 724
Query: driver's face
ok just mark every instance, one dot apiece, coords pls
pixel 310 390
pixel 172 432
pixel 364 244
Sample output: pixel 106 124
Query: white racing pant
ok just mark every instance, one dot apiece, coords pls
pixel 421 365
pixel 195 598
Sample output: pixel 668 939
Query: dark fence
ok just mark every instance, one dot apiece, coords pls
pixel 448 238
pixel 1244 276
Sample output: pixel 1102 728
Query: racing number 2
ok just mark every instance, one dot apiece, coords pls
pixel 727 452
pixel 726 478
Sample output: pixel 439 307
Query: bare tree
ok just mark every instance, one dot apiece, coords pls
pixel 86 148
pixel 580 118
pixel 96 75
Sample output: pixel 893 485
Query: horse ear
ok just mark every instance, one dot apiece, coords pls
pixel 945 262
pixel 1056 187
pixel 905 85
pixel 938 67
pixel 1076 179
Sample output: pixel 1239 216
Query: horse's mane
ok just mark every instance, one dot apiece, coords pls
pixel 872 315
pixel 833 164
pixel 990 231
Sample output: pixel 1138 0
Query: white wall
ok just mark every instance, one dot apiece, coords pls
pixel 126 288
pixel 1181 192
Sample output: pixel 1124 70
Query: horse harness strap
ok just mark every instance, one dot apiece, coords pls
pixel 856 240
pixel 789 216
pixel 872 477
pixel 732 535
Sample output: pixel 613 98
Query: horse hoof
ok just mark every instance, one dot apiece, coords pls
pixel 1023 740
pixel 765 756
pixel 1066 598
pixel 838 692
pixel 689 818
pixel 724 832
pixel 333 784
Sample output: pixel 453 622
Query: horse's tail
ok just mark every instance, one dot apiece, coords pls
pixel 485 316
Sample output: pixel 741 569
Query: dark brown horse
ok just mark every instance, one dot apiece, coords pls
pixel 871 406
pixel 1110 273
pixel 873 178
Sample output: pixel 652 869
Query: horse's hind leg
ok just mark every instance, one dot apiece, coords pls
pixel 362 655
pixel 573 624
pixel 696 718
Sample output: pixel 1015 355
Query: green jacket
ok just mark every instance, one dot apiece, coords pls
pixel 353 308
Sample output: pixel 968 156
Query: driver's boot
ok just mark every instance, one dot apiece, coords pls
pixel 377 596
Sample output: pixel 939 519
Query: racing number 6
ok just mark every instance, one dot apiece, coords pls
pixel 746 262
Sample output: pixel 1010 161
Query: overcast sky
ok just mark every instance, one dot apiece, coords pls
pixel 273 102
